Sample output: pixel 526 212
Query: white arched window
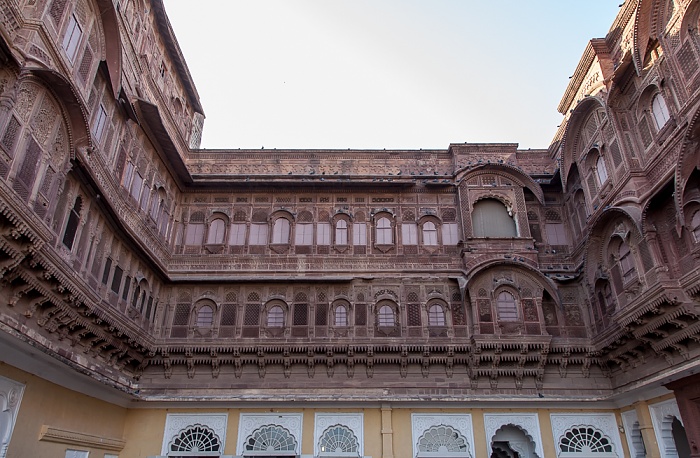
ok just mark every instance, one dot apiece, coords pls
pixel 429 233
pixel 507 306
pixel 341 232
pixel 601 170
pixel 275 317
pixel 205 317
pixel 385 316
pixel 659 110
pixel 436 316
pixel 280 231
pixel 338 441
pixel 217 228
pixel 341 316
pixel 384 233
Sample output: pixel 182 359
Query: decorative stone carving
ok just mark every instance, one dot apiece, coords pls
pixel 605 423
pixel 292 422
pixel 527 422
pixel 175 423
pixel 420 423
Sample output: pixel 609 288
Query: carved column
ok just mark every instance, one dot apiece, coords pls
pixel 647 429
pixel 687 392
pixel 387 433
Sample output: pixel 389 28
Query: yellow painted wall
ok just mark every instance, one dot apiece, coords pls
pixel 45 403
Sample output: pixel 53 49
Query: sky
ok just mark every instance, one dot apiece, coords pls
pixel 374 74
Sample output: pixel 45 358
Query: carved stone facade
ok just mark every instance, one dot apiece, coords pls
pixel 354 290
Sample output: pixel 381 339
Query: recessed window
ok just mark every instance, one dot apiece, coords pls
pixel 341 316
pixel 507 307
pixel 430 234
pixel 194 234
pixel 601 170
pixel 72 224
pixel 205 317
pixel 323 234
pixel 71 39
pixel 100 122
pixel 450 234
pixel 275 317
pixel 626 261
pixel 280 231
pixel 384 233
pixel 385 316
pixel 304 234
pixel 556 234
pixel 359 234
pixel 659 110
pixel 341 232
pixel 217 230
pixel 409 233
pixel 491 218
pixel 237 236
pixel 258 234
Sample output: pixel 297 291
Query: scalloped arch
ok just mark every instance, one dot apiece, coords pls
pixel 514 173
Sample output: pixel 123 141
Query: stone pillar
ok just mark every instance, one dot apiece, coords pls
pixel 387 433
pixel 687 392
pixel 647 429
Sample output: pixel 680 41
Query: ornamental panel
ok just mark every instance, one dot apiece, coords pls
pixel 354 422
pixel 250 423
pixel 576 433
pixel 178 424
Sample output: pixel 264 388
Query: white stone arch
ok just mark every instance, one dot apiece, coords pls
pixel 196 440
pixel 460 423
pixel 630 421
pixel 528 423
pixel 352 421
pixel 10 397
pixel 176 424
pixel 662 415
pixel 604 423
pixel 249 423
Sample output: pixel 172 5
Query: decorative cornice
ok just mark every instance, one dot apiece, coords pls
pixel 63 436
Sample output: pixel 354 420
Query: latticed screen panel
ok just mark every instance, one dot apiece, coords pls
pixel 361 315
pixel 270 438
pixel 252 315
pixel 321 315
pixel 585 439
pixel 301 315
pixel 442 439
pixel 196 439
pixel 413 314
pixel 338 439
pixel 228 315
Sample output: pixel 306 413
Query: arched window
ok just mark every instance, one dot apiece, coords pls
pixel 72 224
pixel 507 307
pixel 280 231
pixel 205 317
pixel 195 439
pixel 338 440
pixel 492 219
pixel 270 438
pixel 275 317
pixel 627 267
pixel 384 232
pixel 429 233
pixel 585 440
pixel 341 316
pixel 441 440
pixel 659 110
pixel 436 316
pixel 385 317
pixel 601 170
pixel 217 230
pixel 341 232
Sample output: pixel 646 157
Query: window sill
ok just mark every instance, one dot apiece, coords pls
pixel 383 248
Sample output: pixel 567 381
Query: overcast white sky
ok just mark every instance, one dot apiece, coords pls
pixel 394 74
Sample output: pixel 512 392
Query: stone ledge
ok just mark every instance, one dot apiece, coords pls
pixel 63 436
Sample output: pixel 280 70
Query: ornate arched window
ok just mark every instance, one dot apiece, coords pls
pixel 280 231
pixel 341 232
pixel 196 440
pixel 386 317
pixel 270 438
pixel 585 441
pixel 275 317
pixel 430 233
pixel 384 232
pixel 205 317
pixel 442 441
pixel 507 306
pixel 491 218
pixel 338 440
pixel 436 315
pixel 659 111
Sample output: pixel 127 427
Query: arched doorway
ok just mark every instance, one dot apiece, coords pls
pixel 511 441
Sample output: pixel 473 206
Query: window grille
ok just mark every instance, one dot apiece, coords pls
pixel 585 440
pixel 270 438
pixel 443 439
pixel 338 439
